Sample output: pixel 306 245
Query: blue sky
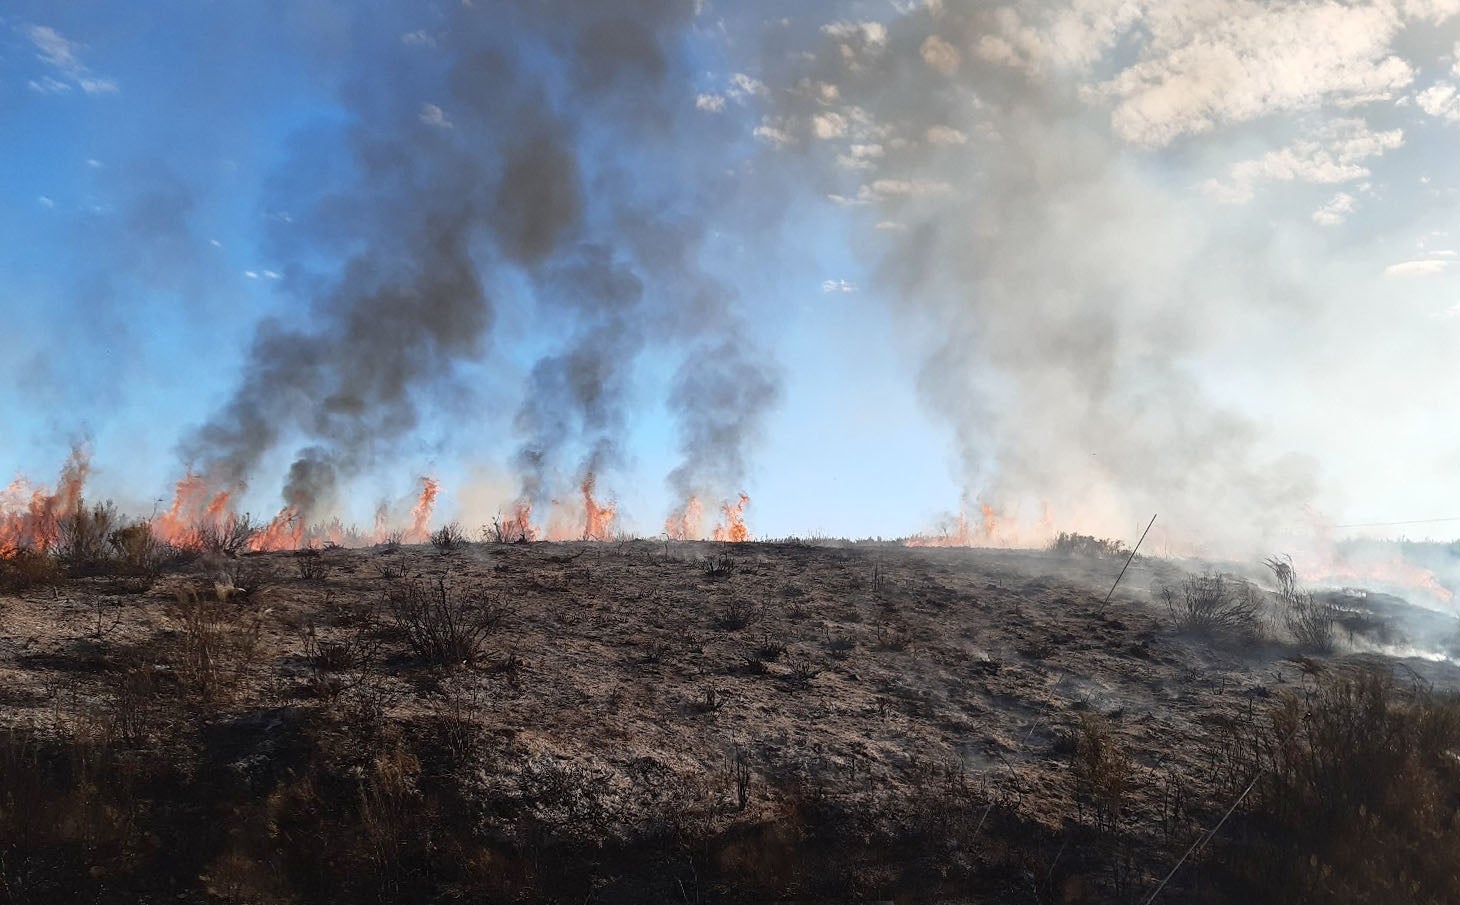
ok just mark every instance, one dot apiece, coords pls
pixel 1117 258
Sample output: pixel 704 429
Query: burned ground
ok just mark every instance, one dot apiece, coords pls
pixel 695 722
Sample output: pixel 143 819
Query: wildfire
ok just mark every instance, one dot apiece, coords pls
pixel 598 518
pixel 518 525
pixel 191 508
pixel 421 512
pixel 285 532
pixel 32 517
pixel 733 530
pixel 684 523
pixel 995 528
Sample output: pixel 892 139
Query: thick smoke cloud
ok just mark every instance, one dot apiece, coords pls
pixel 472 151
pixel 1079 296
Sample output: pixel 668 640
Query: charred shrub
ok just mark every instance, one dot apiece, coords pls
pixel 1309 621
pixel 1213 603
pixel 448 538
pixel 1354 792
pixel 1071 544
pixel 312 564
pixel 215 647
pixel 229 536
pixel 721 565
pixel 1102 770
pixel 82 538
pixel 23 568
pixel 444 625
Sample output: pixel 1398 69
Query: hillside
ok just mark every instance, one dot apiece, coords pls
pixel 687 722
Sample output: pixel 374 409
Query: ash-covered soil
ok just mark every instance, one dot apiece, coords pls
pixel 642 722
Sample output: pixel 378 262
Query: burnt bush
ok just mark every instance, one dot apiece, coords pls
pixel 444 625
pixel 1070 544
pixel 24 568
pixel 82 538
pixel 228 536
pixel 1213 603
pixel 1355 795
pixel 448 538
pixel 1310 621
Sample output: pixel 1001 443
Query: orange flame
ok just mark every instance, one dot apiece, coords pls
pixel 995 529
pixel 285 532
pixel 518 526
pixel 421 512
pixel 598 518
pixel 733 530
pixel 684 523
pixel 36 522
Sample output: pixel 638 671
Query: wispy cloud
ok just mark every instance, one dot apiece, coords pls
pixel 830 286
pixel 1424 267
pixel 435 117
pixel 63 56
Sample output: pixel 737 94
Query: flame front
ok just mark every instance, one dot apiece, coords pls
pixel 421 512
pixel 31 517
pixel 733 530
pixel 598 517
pixel 684 523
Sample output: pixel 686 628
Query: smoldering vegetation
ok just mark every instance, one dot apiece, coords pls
pixel 821 721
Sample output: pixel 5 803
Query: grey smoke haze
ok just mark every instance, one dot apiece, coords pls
pixel 1064 295
pixel 464 161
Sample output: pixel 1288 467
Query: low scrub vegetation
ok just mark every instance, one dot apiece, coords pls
pixel 1355 795
pixel 1214 603
pixel 1087 545
pixel 444 625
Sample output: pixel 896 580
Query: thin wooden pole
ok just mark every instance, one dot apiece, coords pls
pixel 1127 563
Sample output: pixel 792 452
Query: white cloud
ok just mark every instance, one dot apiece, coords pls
pixel 941 56
pixel 882 190
pixel 45 201
pixel 64 57
pixel 743 86
pixel 772 133
pixel 838 286
pixel 826 126
pixel 1236 61
pixel 946 135
pixel 251 274
pixel 420 38
pixel 869 34
pixel 48 85
pixel 710 103
pixel 860 157
pixel 1432 11
pixel 1424 267
pixel 435 117
pixel 1336 211
pixel 1332 155
pixel 1441 100
pixel 1070 35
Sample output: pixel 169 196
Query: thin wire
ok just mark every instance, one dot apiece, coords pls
pixel 1201 842
pixel 1422 521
